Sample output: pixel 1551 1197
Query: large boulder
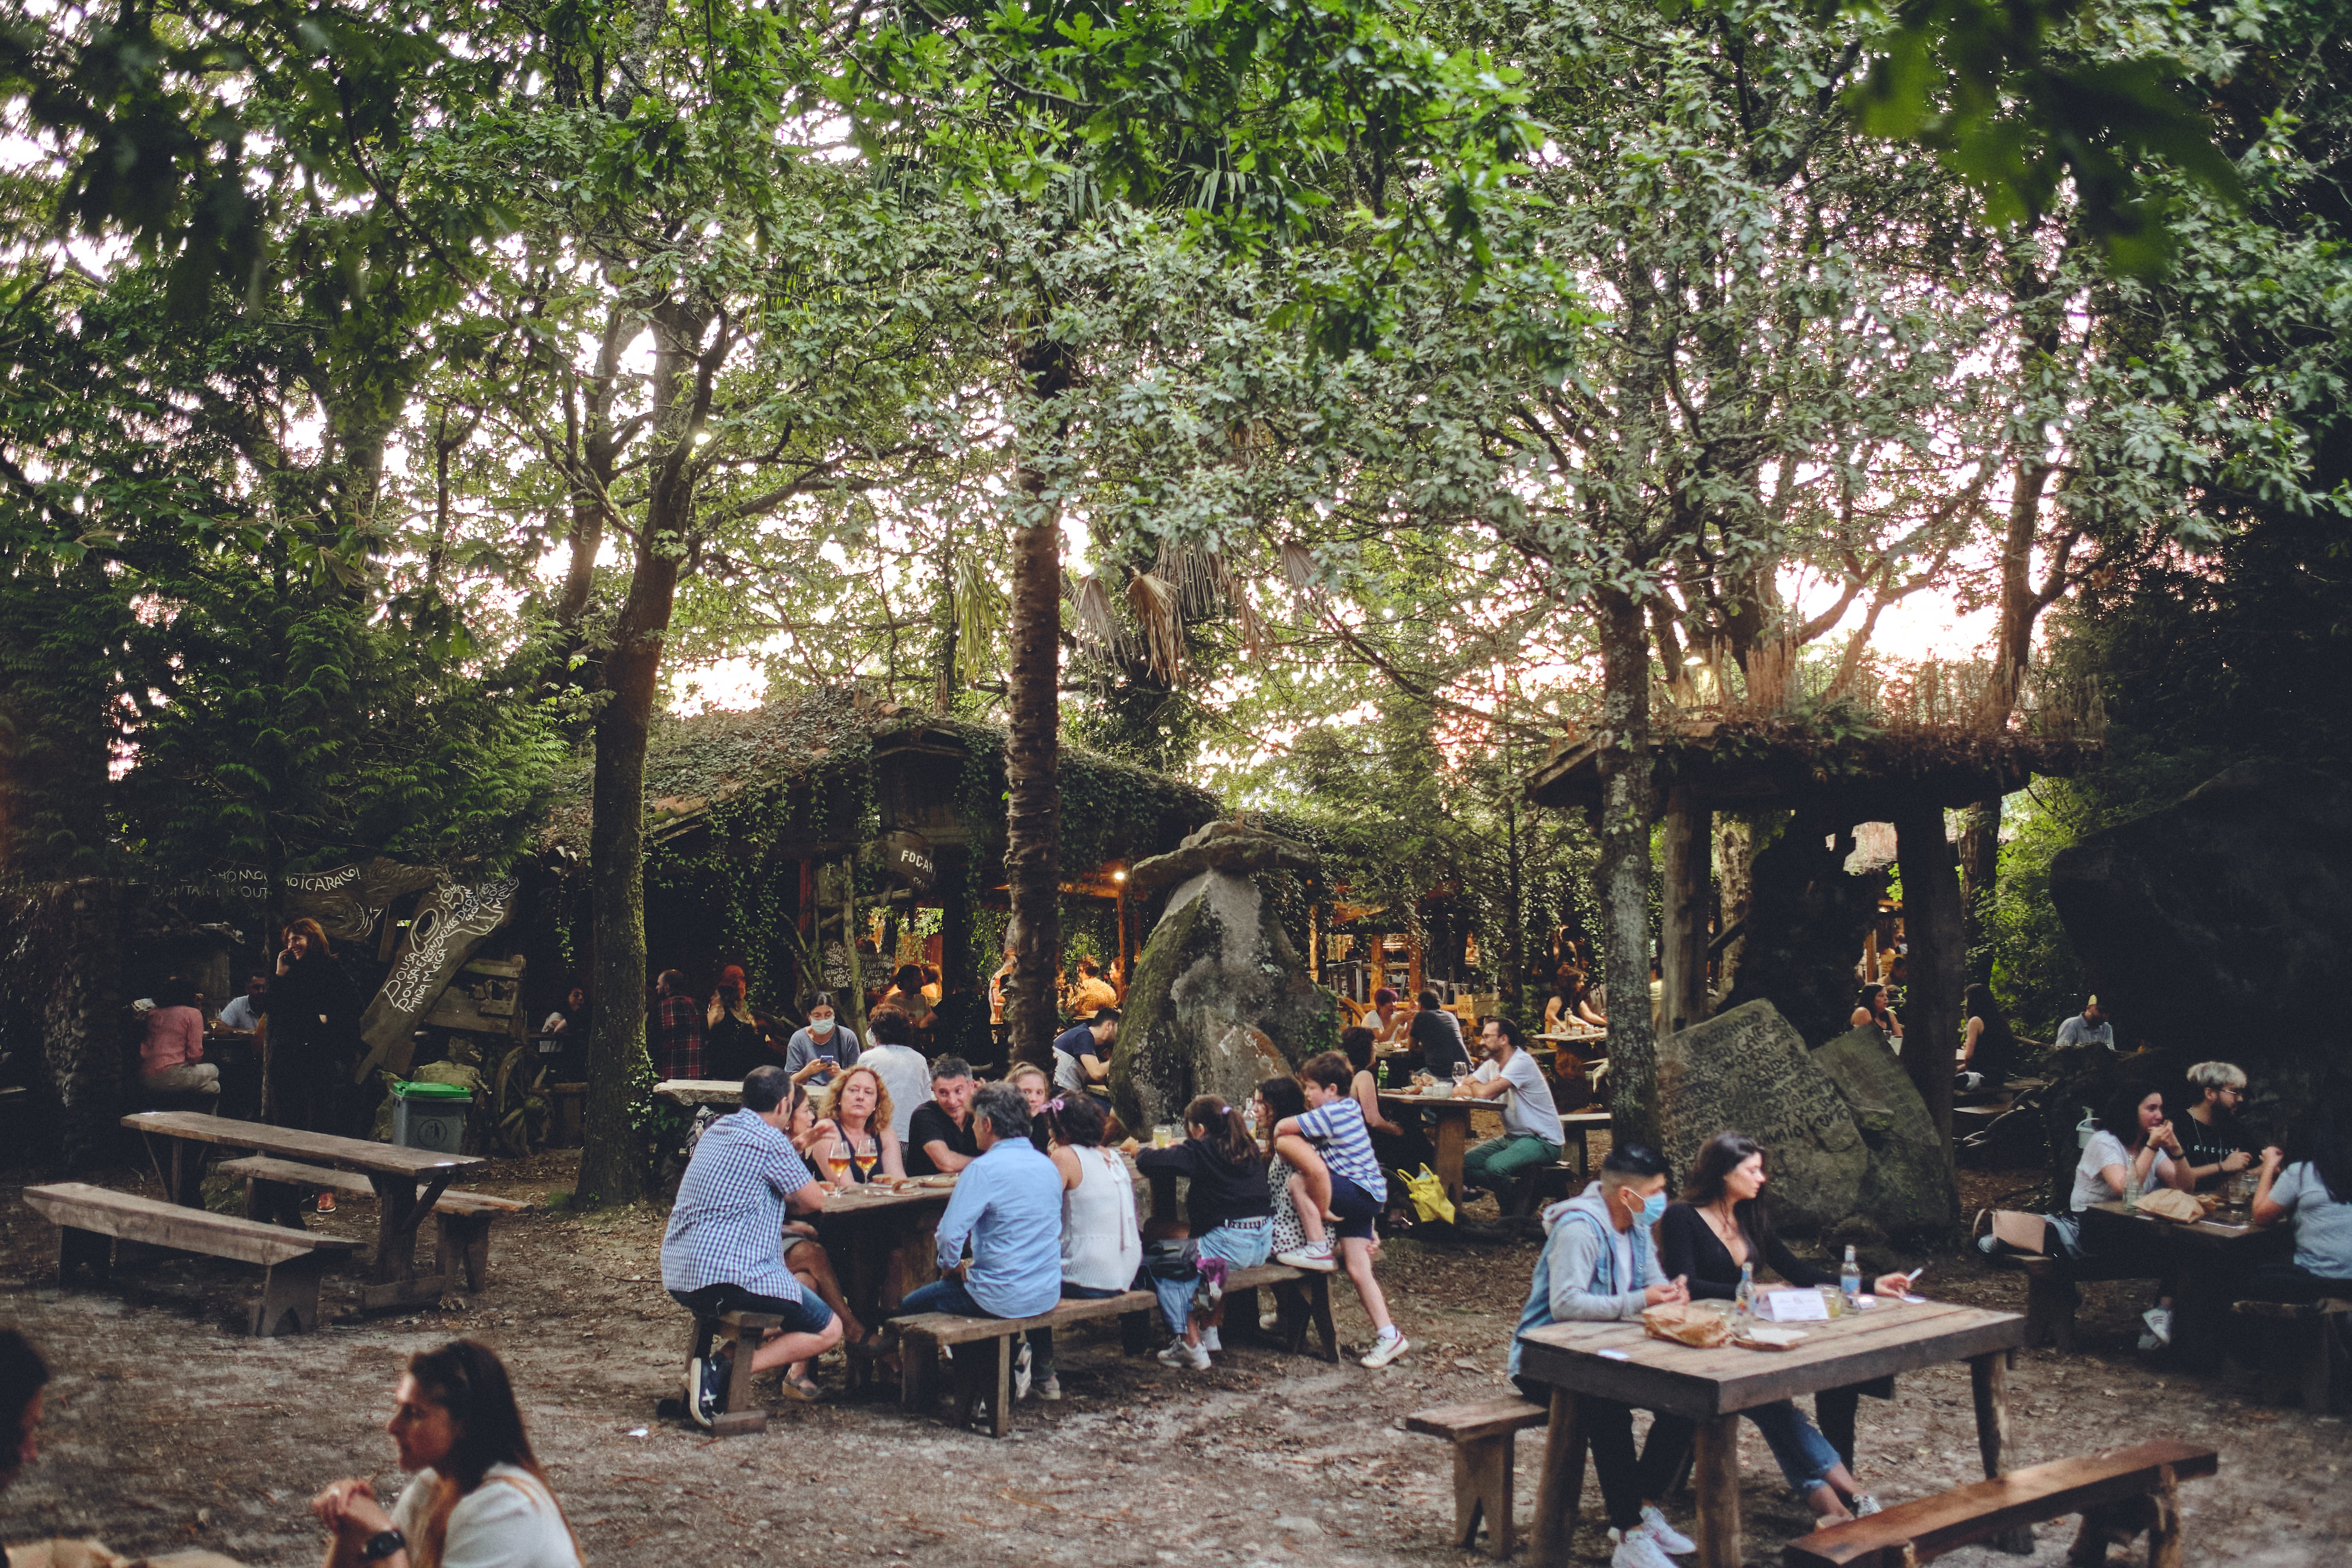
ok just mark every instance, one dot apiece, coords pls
pixel 1221 1000
pixel 1747 1071
pixel 1907 1188
pixel 2221 926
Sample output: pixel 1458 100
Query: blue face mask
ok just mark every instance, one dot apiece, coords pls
pixel 1654 1208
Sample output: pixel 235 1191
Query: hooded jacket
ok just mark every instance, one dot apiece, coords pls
pixel 1576 1278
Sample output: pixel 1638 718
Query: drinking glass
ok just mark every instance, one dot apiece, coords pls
pixel 1461 1073
pixel 1163 1136
pixel 838 1162
pixel 1834 1300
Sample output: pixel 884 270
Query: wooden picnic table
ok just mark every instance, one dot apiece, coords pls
pixel 407 1183
pixel 1618 1360
pixel 883 1244
pixel 1452 1119
pixel 2203 1261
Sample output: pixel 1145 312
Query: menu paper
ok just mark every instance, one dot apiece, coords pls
pixel 1791 1307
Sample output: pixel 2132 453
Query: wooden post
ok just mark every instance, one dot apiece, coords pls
pixel 1716 1481
pixel 1931 920
pixel 1561 1487
pixel 1686 896
pixel 2164 1529
pixel 1989 1379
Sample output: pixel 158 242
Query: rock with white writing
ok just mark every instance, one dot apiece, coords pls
pixel 1748 1071
pixel 1221 999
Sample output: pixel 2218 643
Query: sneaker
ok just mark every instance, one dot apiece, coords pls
pixel 1195 1357
pixel 1268 1320
pixel 1637 1548
pixel 705 1388
pixel 1210 1341
pixel 326 1203
pixel 1020 1370
pixel 1667 1537
pixel 2160 1324
pixel 1864 1505
pixel 1315 1255
pixel 1386 1349
pixel 2149 1342
pixel 1050 1390
pixel 1212 1288
pixel 1986 1243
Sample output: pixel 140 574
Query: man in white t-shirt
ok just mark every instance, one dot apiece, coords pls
pixel 889 1052
pixel 1531 1137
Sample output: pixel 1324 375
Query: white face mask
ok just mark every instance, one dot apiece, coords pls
pixel 820 1025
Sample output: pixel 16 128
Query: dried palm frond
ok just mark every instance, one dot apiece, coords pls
pixel 1091 600
pixel 980 612
pixel 1299 566
pixel 1154 602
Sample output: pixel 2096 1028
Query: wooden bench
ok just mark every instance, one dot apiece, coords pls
pixel 741 1333
pixel 89 1220
pixel 1302 1297
pixel 1913 1532
pixel 2307 1339
pixel 274 1190
pixel 1484 1435
pixel 2052 1295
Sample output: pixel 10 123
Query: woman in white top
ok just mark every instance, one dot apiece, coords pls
pixel 2134 1151
pixel 478 1499
pixel 1102 1241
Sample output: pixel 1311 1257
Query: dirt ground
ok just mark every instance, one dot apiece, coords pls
pixel 168 1428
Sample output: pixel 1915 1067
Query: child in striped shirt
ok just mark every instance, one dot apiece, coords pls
pixel 1334 1123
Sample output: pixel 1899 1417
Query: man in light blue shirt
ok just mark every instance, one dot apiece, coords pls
pixel 1009 1203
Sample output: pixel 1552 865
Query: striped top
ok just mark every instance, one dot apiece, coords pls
pixel 1337 1129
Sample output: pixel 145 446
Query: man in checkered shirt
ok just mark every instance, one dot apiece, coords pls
pixel 724 1249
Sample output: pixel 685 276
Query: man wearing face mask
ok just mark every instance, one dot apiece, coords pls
pixel 1600 1265
pixel 824 1037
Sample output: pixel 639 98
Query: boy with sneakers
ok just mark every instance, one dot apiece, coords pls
pixel 1599 1264
pixel 1334 1123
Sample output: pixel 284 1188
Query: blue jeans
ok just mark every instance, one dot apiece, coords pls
pixel 1805 1457
pixel 941 1296
pixel 1240 1248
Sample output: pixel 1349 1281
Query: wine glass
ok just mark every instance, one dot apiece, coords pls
pixel 837 1159
pixel 1461 1074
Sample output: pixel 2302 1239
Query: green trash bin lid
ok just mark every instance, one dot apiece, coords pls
pixel 412 1091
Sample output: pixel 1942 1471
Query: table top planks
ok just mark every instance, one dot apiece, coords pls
pixel 726 1092
pixel 320 1148
pixel 2212 1232
pixel 1660 1374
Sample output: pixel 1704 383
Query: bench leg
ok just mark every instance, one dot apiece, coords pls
pixel 84 1250
pixel 290 1297
pixel 919 1372
pixel 2164 1529
pixel 2050 1303
pixel 1561 1487
pixel 2314 1364
pixel 1319 1304
pixel 1482 1485
pixel 1135 1332
pixel 743 1414
pixel 999 1401
pixel 1239 1315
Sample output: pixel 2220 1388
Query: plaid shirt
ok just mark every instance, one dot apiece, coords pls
pixel 678 1050
pixel 728 1226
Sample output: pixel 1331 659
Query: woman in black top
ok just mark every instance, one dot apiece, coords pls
pixel 1990 1046
pixel 1706 1238
pixel 314 1011
pixel 1230 1211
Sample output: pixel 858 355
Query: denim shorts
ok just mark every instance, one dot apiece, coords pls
pixel 806 1315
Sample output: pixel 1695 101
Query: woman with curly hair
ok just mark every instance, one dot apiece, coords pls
pixel 854 1137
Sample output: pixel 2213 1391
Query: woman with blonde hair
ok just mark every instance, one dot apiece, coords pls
pixel 478 1497
pixel 854 1137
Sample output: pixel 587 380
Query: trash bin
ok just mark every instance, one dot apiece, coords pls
pixel 430 1116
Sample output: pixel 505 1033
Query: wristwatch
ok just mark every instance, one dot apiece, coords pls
pixel 383 1545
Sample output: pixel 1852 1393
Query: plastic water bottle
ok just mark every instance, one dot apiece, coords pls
pixel 1743 1308
pixel 1850 1279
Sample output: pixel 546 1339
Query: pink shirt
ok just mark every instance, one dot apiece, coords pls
pixel 175 1036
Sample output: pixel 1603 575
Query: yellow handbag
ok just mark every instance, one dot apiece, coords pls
pixel 1427 1191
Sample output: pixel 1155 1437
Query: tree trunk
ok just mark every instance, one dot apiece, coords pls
pixel 65 979
pixel 1979 884
pixel 1688 884
pixel 1622 875
pixel 1033 748
pixel 613 1166
pixel 1735 873
pixel 1931 920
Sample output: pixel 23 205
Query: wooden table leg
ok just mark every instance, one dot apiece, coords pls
pixel 1453 1141
pixel 1989 1379
pixel 400 1208
pixel 1561 1486
pixel 2164 1529
pixel 1716 1478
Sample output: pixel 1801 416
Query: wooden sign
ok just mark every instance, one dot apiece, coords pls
pixel 906 860
pixel 450 924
